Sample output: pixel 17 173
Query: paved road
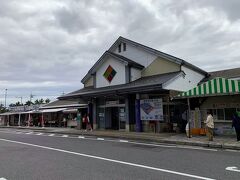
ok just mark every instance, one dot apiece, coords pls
pixel 32 155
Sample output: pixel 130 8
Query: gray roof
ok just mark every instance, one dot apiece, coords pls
pixel 158 53
pixel 149 83
pixel 65 103
pixel 148 49
pixel 227 73
pixel 117 57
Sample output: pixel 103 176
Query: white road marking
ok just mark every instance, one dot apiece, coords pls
pixel 110 160
pixel 81 137
pixel 51 135
pixel 29 133
pixel 100 139
pixel 2 178
pixel 196 148
pixel 64 136
pixel 233 168
pixel 123 141
pixel 39 134
pixel 232 150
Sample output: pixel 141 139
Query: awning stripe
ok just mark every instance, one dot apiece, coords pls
pixel 215 86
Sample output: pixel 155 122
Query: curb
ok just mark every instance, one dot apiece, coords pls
pixel 214 145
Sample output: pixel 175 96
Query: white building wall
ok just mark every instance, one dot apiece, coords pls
pixel 136 54
pixel 185 83
pixel 135 74
pixel 119 78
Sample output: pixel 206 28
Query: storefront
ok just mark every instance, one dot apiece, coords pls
pixel 220 96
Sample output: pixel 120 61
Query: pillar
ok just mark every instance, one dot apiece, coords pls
pixel 127 115
pixel 19 119
pixel 137 114
pixel 94 114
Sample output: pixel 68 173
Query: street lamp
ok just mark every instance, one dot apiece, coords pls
pixel 6 98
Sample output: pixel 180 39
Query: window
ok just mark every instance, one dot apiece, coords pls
pixel 119 48
pixel 229 113
pixel 124 46
pixel 220 114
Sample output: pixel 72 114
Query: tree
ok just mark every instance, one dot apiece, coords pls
pixel 47 101
pixel 41 101
pixel 12 105
pixel 2 109
pixel 36 101
pixel 28 103
pixel 18 104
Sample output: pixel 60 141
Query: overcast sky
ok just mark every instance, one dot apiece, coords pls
pixel 47 46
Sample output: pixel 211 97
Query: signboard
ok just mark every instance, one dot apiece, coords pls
pixel 151 109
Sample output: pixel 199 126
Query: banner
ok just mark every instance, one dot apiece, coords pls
pixel 151 109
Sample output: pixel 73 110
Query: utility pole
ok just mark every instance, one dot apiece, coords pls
pixel 31 96
pixel 6 98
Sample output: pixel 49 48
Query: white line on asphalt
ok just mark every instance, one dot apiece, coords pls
pixel 51 135
pixel 29 133
pixel 64 136
pixel 110 160
pixel 100 139
pixel 2 178
pixel 233 168
pixel 81 137
pixel 39 134
pixel 196 148
pixel 232 150
pixel 125 141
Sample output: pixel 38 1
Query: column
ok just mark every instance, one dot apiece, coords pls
pixel 127 114
pixel 19 119
pixel 137 114
pixel 94 114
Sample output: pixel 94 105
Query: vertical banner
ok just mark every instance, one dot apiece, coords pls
pixel 151 109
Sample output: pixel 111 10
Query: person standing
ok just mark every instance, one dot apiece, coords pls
pixel 236 125
pixel 209 126
pixel 88 126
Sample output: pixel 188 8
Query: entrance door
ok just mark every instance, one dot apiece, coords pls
pixel 115 118
pixel 122 118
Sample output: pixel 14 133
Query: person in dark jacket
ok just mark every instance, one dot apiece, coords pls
pixel 236 125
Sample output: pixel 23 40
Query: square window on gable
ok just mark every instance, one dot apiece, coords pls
pixel 124 46
pixel 119 48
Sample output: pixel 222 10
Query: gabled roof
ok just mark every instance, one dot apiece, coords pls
pixel 157 53
pixel 142 84
pixel 117 57
pixel 227 73
pixel 215 87
pixel 65 104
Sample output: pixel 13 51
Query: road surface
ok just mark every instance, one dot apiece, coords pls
pixel 32 155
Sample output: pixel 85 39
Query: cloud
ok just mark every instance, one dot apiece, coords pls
pixel 48 46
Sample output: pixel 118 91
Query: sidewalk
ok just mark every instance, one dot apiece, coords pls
pixel 224 142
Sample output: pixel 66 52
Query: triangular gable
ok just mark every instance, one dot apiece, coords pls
pixel 117 57
pixel 215 87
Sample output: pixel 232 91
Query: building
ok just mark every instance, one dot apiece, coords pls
pixel 130 88
pixel 60 113
pixel 219 93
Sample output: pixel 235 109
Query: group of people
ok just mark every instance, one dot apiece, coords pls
pixel 209 123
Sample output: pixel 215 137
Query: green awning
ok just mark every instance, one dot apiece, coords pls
pixel 215 87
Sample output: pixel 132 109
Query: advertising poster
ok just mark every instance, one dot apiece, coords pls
pixel 151 109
